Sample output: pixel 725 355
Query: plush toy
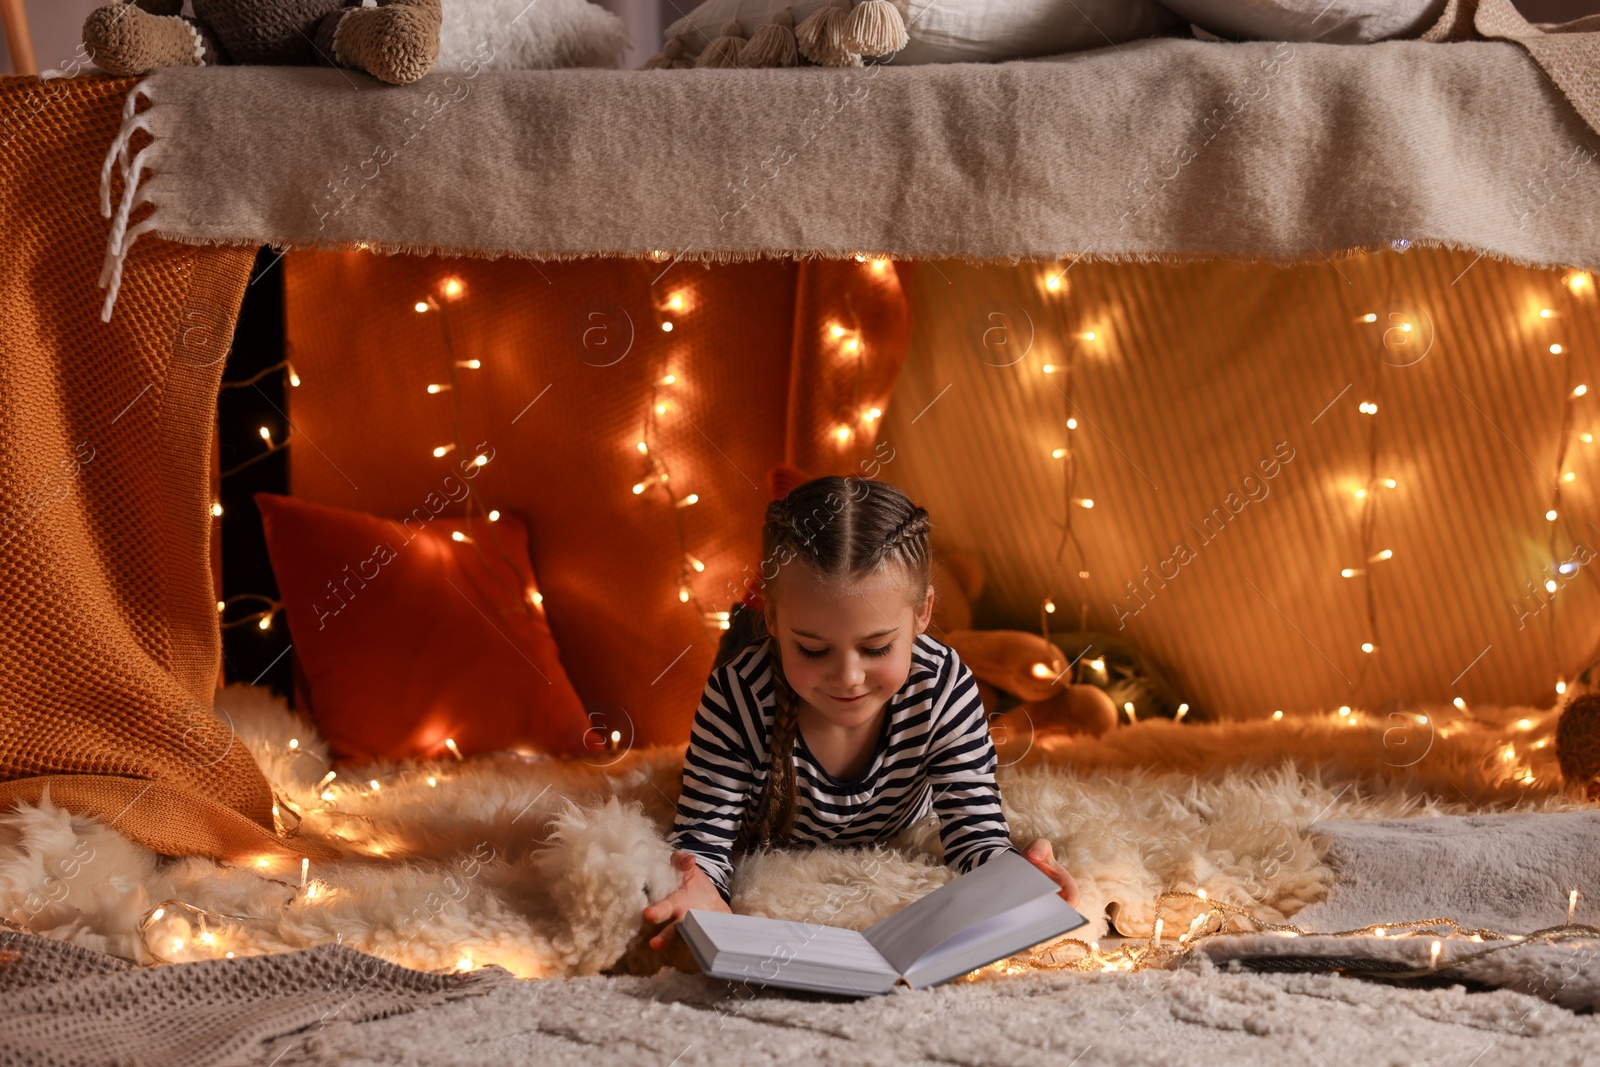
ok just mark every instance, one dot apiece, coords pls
pixel 1023 665
pixel 1578 743
pixel 395 42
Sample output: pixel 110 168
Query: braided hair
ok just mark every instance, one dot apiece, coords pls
pixel 844 530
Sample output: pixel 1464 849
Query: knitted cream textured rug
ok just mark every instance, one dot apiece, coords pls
pixel 332 1006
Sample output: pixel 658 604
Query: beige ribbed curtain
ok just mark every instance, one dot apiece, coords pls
pixel 1200 374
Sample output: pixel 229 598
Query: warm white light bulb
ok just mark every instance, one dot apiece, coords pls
pixel 294 379
pixel 1086 503
pixel 1550 515
pixel 1050 606
pixel 266 434
pixel 452 287
pixel 1277 715
pixel 1458 702
pixel 216 511
pixel 1555 350
pixel 266 622
pixel 675 302
pixel 441 450
pixel 1057 453
pixel 494 516
pixel 1369 317
pixel 1367 646
pixel 669 379
pixel 1072 424
pixel 421 305
pixel 666 327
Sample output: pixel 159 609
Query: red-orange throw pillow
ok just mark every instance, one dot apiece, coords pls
pixel 413 631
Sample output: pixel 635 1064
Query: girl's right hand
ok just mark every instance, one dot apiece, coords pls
pixel 695 890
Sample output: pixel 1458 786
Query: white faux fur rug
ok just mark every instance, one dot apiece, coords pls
pixel 543 866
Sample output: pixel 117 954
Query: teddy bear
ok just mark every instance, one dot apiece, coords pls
pixel 395 42
pixel 1037 676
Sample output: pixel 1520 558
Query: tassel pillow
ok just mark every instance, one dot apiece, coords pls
pixel 407 635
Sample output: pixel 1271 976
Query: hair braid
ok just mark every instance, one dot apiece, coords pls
pixel 772 820
pixel 911 533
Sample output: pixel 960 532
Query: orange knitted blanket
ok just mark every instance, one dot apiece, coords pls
pixel 109 642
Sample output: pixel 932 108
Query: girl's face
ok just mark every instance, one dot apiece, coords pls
pixel 852 645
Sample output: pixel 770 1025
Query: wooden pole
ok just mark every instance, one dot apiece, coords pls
pixel 15 20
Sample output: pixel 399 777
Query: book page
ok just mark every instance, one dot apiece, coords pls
pixel 1042 919
pixel 780 952
pixel 997 886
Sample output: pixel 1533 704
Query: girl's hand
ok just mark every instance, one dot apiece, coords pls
pixel 696 890
pixel 1042 856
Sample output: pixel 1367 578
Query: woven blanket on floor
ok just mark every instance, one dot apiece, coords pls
pixel 1504 872
pixel 1159 148
pixel 60 1004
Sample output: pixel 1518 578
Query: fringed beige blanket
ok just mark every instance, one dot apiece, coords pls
pixel 1161 148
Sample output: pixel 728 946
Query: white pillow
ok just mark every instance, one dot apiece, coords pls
pixel 518 35
pixel 1335 22
pixel 961 31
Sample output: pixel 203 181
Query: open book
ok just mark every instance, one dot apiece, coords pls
pixel 1001 907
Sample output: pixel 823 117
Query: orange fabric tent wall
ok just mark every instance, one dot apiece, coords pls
pixel 769 361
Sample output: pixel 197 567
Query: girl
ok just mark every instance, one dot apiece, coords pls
pixel 842 723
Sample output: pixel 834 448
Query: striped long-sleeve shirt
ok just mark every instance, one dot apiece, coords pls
pixel 934 756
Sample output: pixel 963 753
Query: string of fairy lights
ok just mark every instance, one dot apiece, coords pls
pixel 1054 289
pixel 1398 332
pixel 1219 918
pixel 665 391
